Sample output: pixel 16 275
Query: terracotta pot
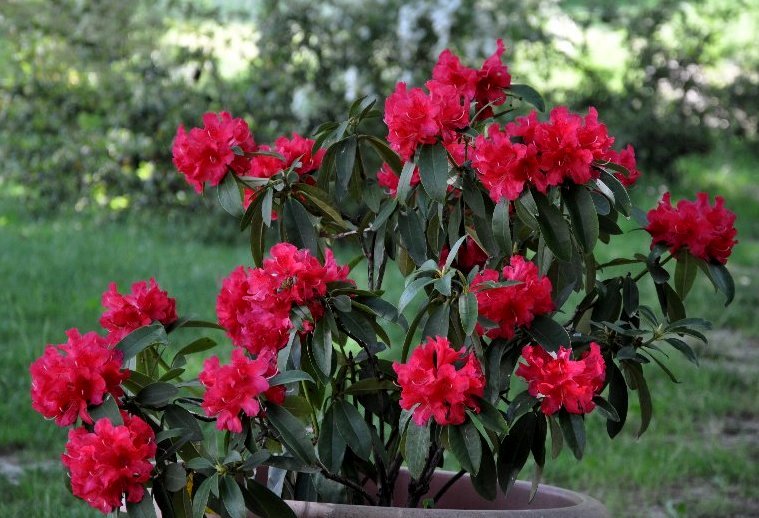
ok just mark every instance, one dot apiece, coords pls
pixel 462 501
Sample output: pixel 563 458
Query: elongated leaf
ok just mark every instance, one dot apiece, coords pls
pixel 621 197
pixel 200 500
pixel 501 228
pixel 300 230
pixel 573 428
pixel 553 227
pixel 528 94
pixel 142 338
pixel 232 498
pixel 229 195
pixel 685 273
pixel 386 154
pixel 404 183
pixel 526 210
pixel 345 158
pixel 321 201
pixel 411 290
pixel 412 236
pixel 491 417
pixel 557 438
pixel 723 281
pixel 292 433
pixel 433 170
pixel 353 428
pixel 175 477
pixel 156 395
pixel 468 312
pixel 606 409
pixel 179 417
pixel 292 376
pixel 107 409
pixel 514 451
pixel 371 386
pixel 465 446
pixel 331 444
pixel 548 333
pixel 265 503
pixel 485 481
pixel 321 346
pixel 142 509
pixel 388 207
pixel 684 348
pixel 417 448
pixel 197 346
pixel 630 295
pixel 582 213
pixel 257 235
pixel 438 322
pixel 638 383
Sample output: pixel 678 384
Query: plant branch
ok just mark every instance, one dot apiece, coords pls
pixel 448 485
pixel 349 484
pixel 645 270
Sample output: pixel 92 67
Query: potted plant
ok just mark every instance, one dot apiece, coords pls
pixel 475 322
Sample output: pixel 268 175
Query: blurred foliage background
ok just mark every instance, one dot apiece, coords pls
pixel 91 92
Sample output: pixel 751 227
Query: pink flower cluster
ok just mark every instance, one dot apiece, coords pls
pixel 110 461
pixel 512 306
pixel 205 154
pixel 415 117
pixel 560 381
pixel 254 303
pixel 145 304
pixel 235 388
pixel 440 382
pixel 545 154
pixel 69 377
pixel 708 232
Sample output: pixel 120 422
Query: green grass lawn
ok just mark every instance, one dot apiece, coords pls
pixel 699 457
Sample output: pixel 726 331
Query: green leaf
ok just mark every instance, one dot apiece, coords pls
pixel 157 395
pixel 491 417
pixel 386 154
pixel 411 290
pixel 465 445
pixel 684 348
pixel 630 295
pixel 358 327
pixel 438 321
pixel 175 477
pixel 331 444
pixel 179 417
pixel 265 503
pixel 621 197
pixel 345 158
pixel 675 308
pixel 722 280
pixel 107 409
pixel 433 170
pixel 553 227
pixel 371 386
pixel 300 230
pixel 573 428
pixel 485 481
pixel 557 439
pixel 417 448
pixel 232 498
pixel 353 428
pixel 528 94
pixel 320 200
pixel 412 235
pixel 229 195
pixel 468 312
pixel 583 215
pixel 453 252
pixel 404 183
pixel 257 237
pixel 388 207
pixel 142 509
pixel 548 333
pixel 291 376
pixel 606 409
pixel 266 206
pixel 473 198
pixel 501 228
pixel 514 450
pixel 526 210
pixel 321 346
pixel 292 433
pixel 199 345
pixel 200 500
pixel 685 273
pixel 638 383
pixel 142 338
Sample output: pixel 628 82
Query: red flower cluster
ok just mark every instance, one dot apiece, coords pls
pixel 254 304
pixel 544 154
pixel 708 232
pixel 560 381
pixel 414 117
pixel 204 154
pixel 512 306
pixel 296 149
pixel 235 388
pixel 625 158
pixel 440 382
pixel 110 461
pixel 69 377
pixel 146 304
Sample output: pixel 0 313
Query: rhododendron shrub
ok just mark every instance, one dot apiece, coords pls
pixel 398 286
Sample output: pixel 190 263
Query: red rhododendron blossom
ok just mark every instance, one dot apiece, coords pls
pixel 110 461
pixel 504 167
pixel 708 232
pixel 145 304
pixel 295 149
pixel 449 70
pixel 254 304
pixel 558 381
pixel 470 255
pixel 492 79
pixel 69 377
pixel 440 382
pixel 387 178
pixel 452 112
pixel 235 388
pixel 204 154
pixel 516 305
pixel 411 119
pixel 625 158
